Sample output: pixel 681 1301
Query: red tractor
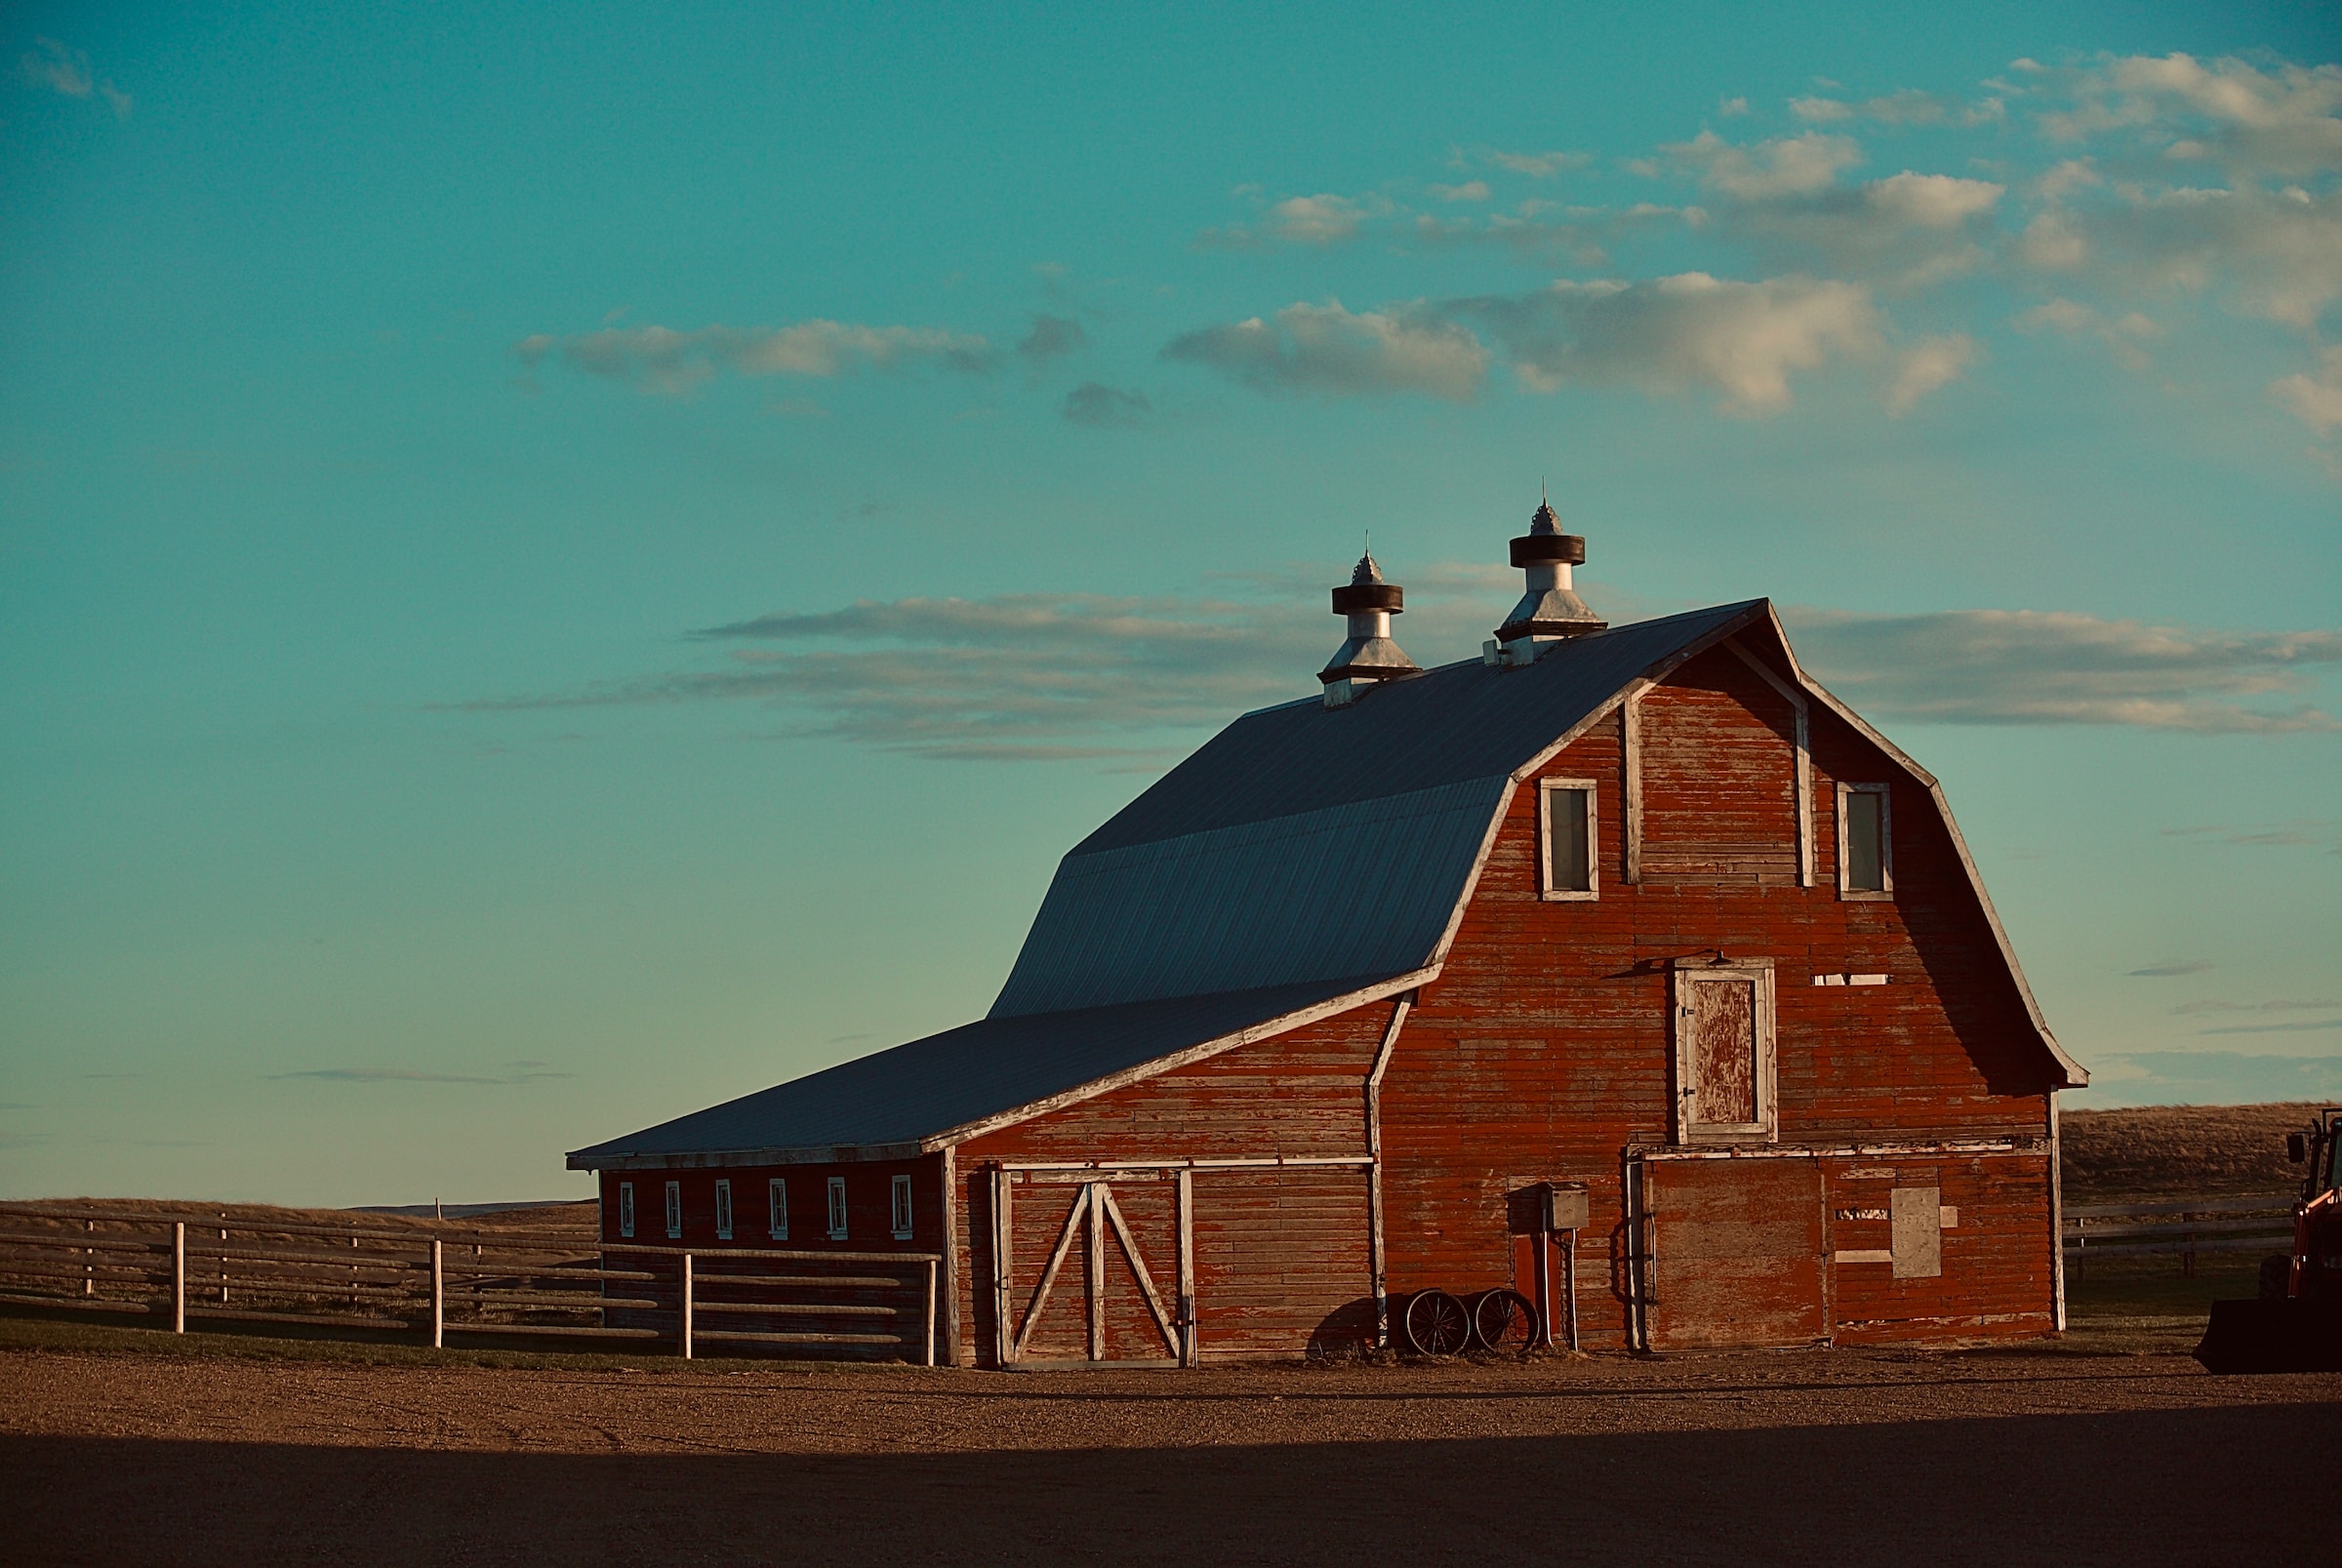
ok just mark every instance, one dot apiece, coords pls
pixel 2295 1325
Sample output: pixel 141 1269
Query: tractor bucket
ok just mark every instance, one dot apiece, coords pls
pixel 2288 1334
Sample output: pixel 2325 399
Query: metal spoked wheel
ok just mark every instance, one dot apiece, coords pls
pixel 1504 1320
pixel 1437 1324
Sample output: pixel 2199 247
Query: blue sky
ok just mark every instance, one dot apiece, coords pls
pixel 561 564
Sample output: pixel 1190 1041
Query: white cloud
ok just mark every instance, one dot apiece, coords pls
pixel 2072 319
pixel 1470 190
pixel 1672 334
pixel 1785 166
pixel 1932 201
pixel 2022 666
pixel 1927 365
pixel 658 359
pixel 2284 121
pixel 2272 255
pixel 1329 350
pixel 2316 399
pixel 1731 108
pixel 65 71
pixel 1322 219
pixel 1908 107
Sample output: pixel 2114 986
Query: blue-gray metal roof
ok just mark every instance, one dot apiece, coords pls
pixel 960 1076
pixel 1302 855
pixel 1304 841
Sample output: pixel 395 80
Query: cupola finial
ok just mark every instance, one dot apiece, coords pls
pixel 1549 609
pixel 1368 656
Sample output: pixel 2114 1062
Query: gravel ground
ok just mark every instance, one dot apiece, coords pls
pixel 2027 1455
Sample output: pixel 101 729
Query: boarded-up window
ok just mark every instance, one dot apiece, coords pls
pixel 1566 810
pixel 1919 1231
pixel 1864 845
pixel 723 1210
pixel 777 1201
pixel 1724 1053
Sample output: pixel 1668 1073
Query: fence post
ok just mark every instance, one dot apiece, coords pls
pixel 438 1293
pixel 683 1329
pixel 179 1276
pixel 931 1311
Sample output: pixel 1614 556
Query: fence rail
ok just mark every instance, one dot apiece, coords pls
pixel 561 1283
pixel 2182 1228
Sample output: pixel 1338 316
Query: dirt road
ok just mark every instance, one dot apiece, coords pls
pixel 1803 1458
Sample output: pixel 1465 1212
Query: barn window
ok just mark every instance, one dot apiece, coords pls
pixel 723 1210
pixel 1565 821
pixel 674 1209
pixel 837 1208
pixel 625 1209
pixel 1866 857
pixel 777 1198
pixel 900 1208
pixel 1724 1053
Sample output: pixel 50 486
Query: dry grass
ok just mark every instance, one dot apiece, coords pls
pixel 2162 1153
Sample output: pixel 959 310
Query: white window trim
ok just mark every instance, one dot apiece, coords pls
pixel 899 1204
pixel 1592 889
pixel 776 1199
pixel 1766 1128
pixel 675 1210
pixel 837 1208
pixel 625 1211
pixel 723 1209
pixel 1885 891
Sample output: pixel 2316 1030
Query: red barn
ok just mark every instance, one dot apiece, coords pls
pixel 1635 930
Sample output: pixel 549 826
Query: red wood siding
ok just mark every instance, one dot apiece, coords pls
pixel 1282 1256
pixel 1543 1049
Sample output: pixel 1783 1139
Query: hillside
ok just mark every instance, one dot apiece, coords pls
pixel 2179 1151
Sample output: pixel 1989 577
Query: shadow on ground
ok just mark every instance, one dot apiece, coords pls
pixel 2186 1486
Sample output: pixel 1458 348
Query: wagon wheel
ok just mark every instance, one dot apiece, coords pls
pixel 1504 1320
pixel 1437 1324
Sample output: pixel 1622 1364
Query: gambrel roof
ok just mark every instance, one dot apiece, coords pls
pixel 1306 860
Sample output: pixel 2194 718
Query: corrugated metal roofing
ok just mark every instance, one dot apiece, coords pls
pixel 1304 841
pixel 1304 854
pixel 963 1075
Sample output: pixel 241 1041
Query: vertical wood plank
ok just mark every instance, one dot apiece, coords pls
pixel 1096 1264
pixel 438 1293
pixel 683 1327
pixel 1187 1266
pixel 1003 1243
pixel 179 1276
pixel 951 1277
pixel 1629 718
pixel 929 1335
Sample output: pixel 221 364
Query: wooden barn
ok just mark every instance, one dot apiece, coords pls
pixel 1622 967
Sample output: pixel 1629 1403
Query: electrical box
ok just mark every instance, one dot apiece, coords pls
pixel 1548 1206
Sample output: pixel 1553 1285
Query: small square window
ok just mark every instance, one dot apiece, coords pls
pixel 837 1208
pixel 723 1211
pixel 625 1209
pixel 777 1198
pixel 900 1208
pixel 675 1210
pixel 1565 822
pixel 1866 845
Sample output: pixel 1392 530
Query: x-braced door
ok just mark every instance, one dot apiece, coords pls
pixel 1092 1296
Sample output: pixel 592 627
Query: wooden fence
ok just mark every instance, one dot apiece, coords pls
pixel 2183 1228
pixel 443 1280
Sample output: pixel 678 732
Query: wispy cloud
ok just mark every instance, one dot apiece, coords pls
pixel 1330 351
pixel 1322 219
pixel 1784 166
pixel 524 1072
pixel 2023 666
pixel 2186 1008
pixel 2292 1027
pixel 1055 676
pixel 1907 107
pixel 1100 406
pixel 1536 165
pixel 1051 338
pixel 65 71
pixel 661 360
pixel 2304 831
pixel 2171 967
